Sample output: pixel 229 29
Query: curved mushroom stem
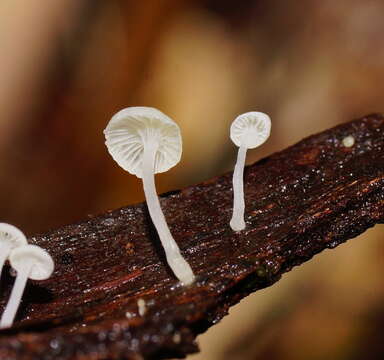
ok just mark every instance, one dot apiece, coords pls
pixel 14 301
pixel 175 260
pixel 237 222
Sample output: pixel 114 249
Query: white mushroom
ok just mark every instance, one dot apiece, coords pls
pixel 30 261
pixel 348 141
pixel 144 141
pixel 10 237
pixel 142 307
pixel 248 131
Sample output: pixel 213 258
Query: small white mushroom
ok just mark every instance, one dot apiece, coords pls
pixel 349 141
pixel 30 262
pixel 10 238
pixel 248 131
pixel 142 306
pixel 144 141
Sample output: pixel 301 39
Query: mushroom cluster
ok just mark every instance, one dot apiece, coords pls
pixel 144 141
pixel 30 262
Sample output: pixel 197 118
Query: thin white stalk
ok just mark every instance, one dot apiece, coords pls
pixel 237 222
pixel 14 301
pixel 175 260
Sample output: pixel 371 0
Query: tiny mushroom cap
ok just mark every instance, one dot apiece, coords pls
pixel 248 131
pixel 41 263
pixel 251 129
pixel 131 129
pixel 30 262
pixel 10 238
pixel 349 141
pixel 144 141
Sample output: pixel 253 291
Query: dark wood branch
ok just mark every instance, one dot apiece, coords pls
pixel 309 197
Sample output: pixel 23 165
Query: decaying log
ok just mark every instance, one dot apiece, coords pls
pixel 309 197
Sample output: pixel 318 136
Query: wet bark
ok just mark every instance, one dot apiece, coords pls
pixel 310 197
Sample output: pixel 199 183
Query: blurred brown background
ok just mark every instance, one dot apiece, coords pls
pixel 67 65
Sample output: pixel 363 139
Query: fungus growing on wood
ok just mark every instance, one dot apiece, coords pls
pixel 30 262
pixel 10 238
pixel 248 131
pixel 144 141
pixel 142 307
pixel 348 141
pixel 108 325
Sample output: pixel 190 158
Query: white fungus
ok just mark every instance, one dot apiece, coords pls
pixel 142 307
pixel 348 141
pixel 248 131
pixel 30 261
pixel 10 238
pixel 144 141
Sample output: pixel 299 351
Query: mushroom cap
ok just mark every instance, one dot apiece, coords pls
pixel 11 236
pixel 251 129
pixel 132 128
pixel 42 263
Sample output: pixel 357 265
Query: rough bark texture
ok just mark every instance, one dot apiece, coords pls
pixel 309 197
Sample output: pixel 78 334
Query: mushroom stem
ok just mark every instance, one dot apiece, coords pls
pixel 14 301
pixel 175 260
pixel 237 222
